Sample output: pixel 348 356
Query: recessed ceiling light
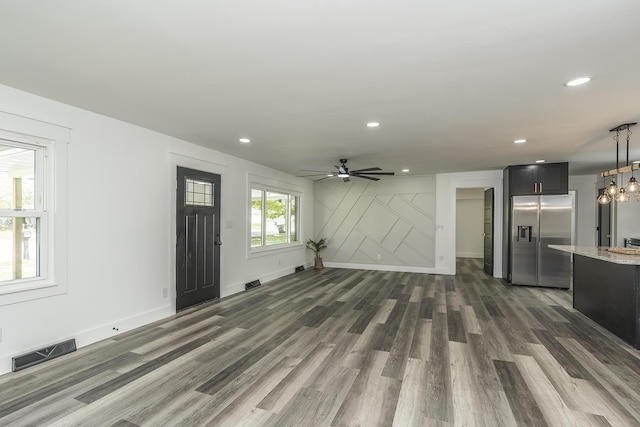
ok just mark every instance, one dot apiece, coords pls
pixel 519 141
pixel 373 124
pixel 539 161
pixel 578 82
pixel 405 170
pixel 245 140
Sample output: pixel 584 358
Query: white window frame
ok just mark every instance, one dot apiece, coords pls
pixel 253 250
pixel 51 172
pixel 39 211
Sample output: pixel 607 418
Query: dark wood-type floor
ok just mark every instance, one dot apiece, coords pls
pixel 347 348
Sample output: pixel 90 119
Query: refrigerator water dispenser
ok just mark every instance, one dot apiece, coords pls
pixel 524 234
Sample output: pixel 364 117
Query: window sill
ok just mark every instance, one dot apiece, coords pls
pixel 29 290
pixel 270 250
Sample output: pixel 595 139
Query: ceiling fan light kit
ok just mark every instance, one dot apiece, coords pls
pixel 344 173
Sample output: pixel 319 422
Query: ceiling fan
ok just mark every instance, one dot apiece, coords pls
pixel 344 172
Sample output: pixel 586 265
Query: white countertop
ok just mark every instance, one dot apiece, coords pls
pixel 600 253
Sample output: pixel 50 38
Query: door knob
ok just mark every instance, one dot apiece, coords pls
pixel 217 242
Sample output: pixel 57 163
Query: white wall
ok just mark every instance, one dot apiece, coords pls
pixel 469 222
pixel 387 224
pixel 121 232
pixel 446 186
pixel 445 222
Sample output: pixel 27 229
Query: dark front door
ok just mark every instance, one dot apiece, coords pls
pixel 488 231
pixel 197 237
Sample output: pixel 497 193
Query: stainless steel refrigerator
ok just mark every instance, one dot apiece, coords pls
pixel 539 221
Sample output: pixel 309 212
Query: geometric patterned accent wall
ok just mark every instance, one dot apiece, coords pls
pixel 388 222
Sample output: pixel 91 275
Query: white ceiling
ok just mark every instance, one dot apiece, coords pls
pixel 452 82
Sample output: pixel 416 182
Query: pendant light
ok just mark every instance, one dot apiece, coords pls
pixel 612 189
pixel 622 195
pixel 632 185
pixel 604 198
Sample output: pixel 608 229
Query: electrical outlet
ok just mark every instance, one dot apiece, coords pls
pixel 165 292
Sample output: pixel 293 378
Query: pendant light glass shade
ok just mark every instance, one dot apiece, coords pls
pixel 632 185
pixel 605 199
pixel 612 189
pixel 622 196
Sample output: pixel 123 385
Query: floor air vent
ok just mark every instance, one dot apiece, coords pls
pixel 44 354
pixel 252 285
pixel 299 268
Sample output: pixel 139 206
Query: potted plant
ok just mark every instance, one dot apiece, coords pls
pixel 317 247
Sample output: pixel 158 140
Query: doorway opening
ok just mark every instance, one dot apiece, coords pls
pixel 474 225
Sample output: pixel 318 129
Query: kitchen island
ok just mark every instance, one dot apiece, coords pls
pixel 606 288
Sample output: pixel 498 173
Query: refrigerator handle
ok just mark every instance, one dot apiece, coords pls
pixel 541 187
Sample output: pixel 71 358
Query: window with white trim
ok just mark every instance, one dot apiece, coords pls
pixel 23 213
pixel 33 209
pixel 275 219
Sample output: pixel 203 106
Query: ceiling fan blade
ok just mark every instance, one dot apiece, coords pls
pixel 315 174
pixel 367 177
pixel 320 179
pixel 377 173
pixel 367 169
pixel 311 170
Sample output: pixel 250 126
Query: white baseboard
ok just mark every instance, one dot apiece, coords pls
pixel 239 287
pixel 378 267
pixel 93 335
pixel 90 336
pixel 470 255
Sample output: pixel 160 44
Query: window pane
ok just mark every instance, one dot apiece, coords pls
pixel 293 221
pixel 256 218
pixel 275 213
pixel 17 178
pixel 19 248
pixel 198 193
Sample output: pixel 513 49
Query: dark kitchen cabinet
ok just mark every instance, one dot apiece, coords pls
pixel 550 178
